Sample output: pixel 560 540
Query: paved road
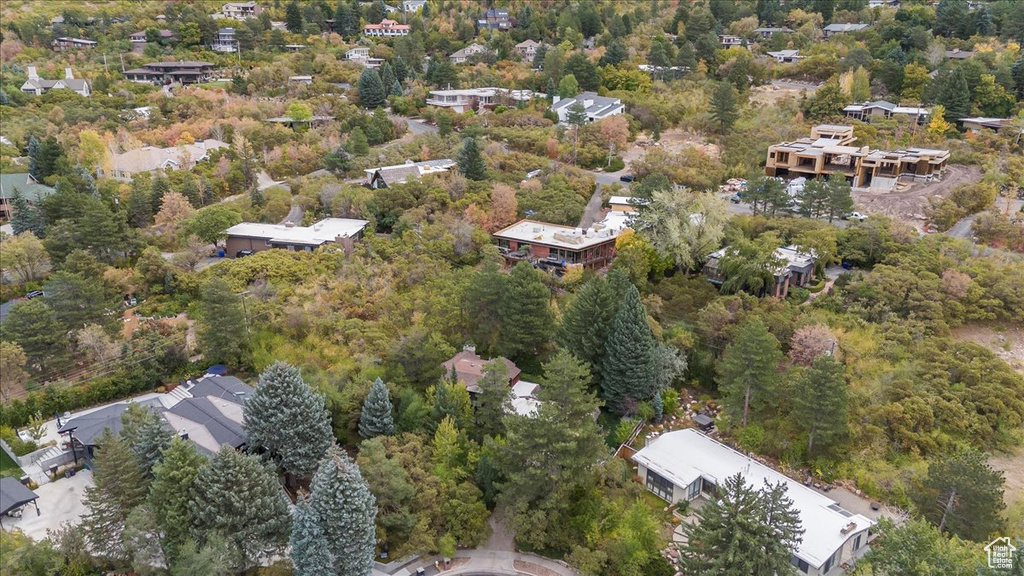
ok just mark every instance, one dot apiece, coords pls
pixel 963 228
pixel 416 126
pixel 295 214
pixel 790 85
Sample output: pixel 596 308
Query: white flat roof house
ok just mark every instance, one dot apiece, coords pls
pixel 460 101
pixel 867 111
pixel 596 107
pixel 685 464
pixel 255 236
pixel 785 56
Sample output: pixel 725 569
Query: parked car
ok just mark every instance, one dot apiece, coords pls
pixel 243 253
pixel 856 216
pixel 627 177
pixel 34 294
pixel 736 198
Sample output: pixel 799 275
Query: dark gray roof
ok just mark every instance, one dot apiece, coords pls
pixel 227 387
pixel 88 428
pixel 14 494
pixel 202 411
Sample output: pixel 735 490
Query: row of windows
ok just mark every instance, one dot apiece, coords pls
pixel 659 485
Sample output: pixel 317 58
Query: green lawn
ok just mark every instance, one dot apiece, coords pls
pixel 9 467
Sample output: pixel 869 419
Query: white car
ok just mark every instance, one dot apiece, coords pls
pixel 856 216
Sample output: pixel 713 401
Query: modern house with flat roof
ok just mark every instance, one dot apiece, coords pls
pixel 559 247
pixel 625 203
pixel 495 20
pixel 830 149
pixel 38 86
pixel 387 29
pixel 981 125
pixel 686 465
pixel 386 176
pixel 224 41
pixel 868 111
pixel 785 56
pixel 596 107
pixel 184 72
pixel 256 237
pixel 152 159
pixel 463 100
pixel 769 32
pixel 728 40
pixel 795 268
pixel 65 43
pixel 31 191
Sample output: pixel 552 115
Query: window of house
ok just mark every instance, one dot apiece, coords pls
pixel 856 541
pixel 659 485
pixel 830 562
pixel 693 490
pixel 799 564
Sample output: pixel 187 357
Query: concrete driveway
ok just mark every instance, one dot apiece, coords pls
pixel 59 502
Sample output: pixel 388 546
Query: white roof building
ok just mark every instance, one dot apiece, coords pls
pixel 524 398
pixel 683 465
pixel 323 232
pixel 466 99
pixel 596 107
pixel 386 176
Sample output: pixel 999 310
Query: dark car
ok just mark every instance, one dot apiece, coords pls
pixel 736 198
pixel 243 253
pixel 627 177
pixel 34 294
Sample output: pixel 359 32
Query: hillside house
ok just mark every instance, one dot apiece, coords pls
pixel 796 269
pixel 833 29
pixel 468 367
pixel 980 125
pixel 386 176
pixel 868 111
pixel 386 29
pixel 527 49
pixel 477 99
pixel 31 191
pixel 65 43
pixel 785 56
pixel 461 56
pixel 557 247
pixel 728 40
pixel 686 465
pixel 256 237
pixel 241 10
pixel 596 107
pixel 224 41
pixel 495 20
pixel 152 159
pixel 38 86
pixel 766 33
pixel 184 72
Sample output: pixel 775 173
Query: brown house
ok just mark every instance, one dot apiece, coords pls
pixel 469 368
pixel 559 247
pixel 256 237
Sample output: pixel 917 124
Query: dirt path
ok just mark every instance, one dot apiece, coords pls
pixel 593 208
pixel 910 204
pixel 501 536
pixel 1007 343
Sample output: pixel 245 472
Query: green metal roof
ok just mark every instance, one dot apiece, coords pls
pixel 29 188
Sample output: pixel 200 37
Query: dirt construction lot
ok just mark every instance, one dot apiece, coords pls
pixel 909 203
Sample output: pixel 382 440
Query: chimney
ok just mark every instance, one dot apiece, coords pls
pixel 32 74
pixel 555 99
pixel 68 75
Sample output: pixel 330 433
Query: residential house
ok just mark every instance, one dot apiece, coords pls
pixel 413 5
pixel 386 29
pixel 387 176
pixel 627 204
pixel 767 33
pixel 558 247
pixel 294 47
pixel 460 56
pixel 224 41
pixel 152 159
pixel 981 125
pixel 468 368
pixel 31 191
pixel 357 53
pixel 795 269
pixel 140 37
pixel 64 43
pixel 686 465
pixel 256 237
pixel 527 49
pixel 958 54
pixel 596 107
pixel 785 56
pixel 184 72
pixel 241 10
pixel 883 3
pixel 459 101
pixel 868 111
pixel 833 29
pixel 495 20
pixel 728 40
pixel 301 79
pixel 830 149
pixel 38 86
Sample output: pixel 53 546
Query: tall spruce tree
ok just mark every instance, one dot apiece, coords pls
pixel 376 418
pixel 32 151
pixel 471 161
pixel 239 498
pixel 748 371
pixel 288 419
pixel 820 402
pixel 346 511
pixel 449 398
pixel 953 94
pixel 169 494
pixel 146 436
pixel 547 457
pixel 627 373
pixel 310 553
pixel 34 326
pixel 482 303
pixel 493 401
pixel 118 487
pixel 371 89
pixel 25 217
pixel 743 532
pixel 963 495
pixel 723 106
pixel 526 319
pixel 401 69
pixel 587 322
pixel 222 330
pixel 387 75
pixel 346 21
pixel 293 17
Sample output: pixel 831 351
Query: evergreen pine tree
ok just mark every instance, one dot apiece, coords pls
pixel 237 497
pixel 288 419
pixel 118 487
pixel 357 142
pixel 396 88
pixel 493 401
pixel 963 495
pixel 743 532
pixel 32 150
pixel 34 326
pixel 346 21
pixel 820 402
pixel 347 513
pixel 143 431
pixel 615 53
pixel 482 303
pixel 371 90
pixel 953 93
pixel 749 370
pixel 839 197
pixel 628 367
pixel 310 554
pixel 170 491
pixel 401 69
pixel 471 161
pixel 526 318
pixel 293 17
pixel 387 75
pixel 587 322
pixel 449 398
pixel 222 331
pixel 723 106
pixel 376 418
pixel 25 217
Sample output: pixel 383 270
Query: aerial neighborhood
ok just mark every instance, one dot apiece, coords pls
pixel 516 287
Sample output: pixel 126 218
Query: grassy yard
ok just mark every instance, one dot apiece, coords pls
pixel 9 467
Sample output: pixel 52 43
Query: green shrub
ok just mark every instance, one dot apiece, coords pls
pixel 616 165
pixel 751 438
pixel 20 447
